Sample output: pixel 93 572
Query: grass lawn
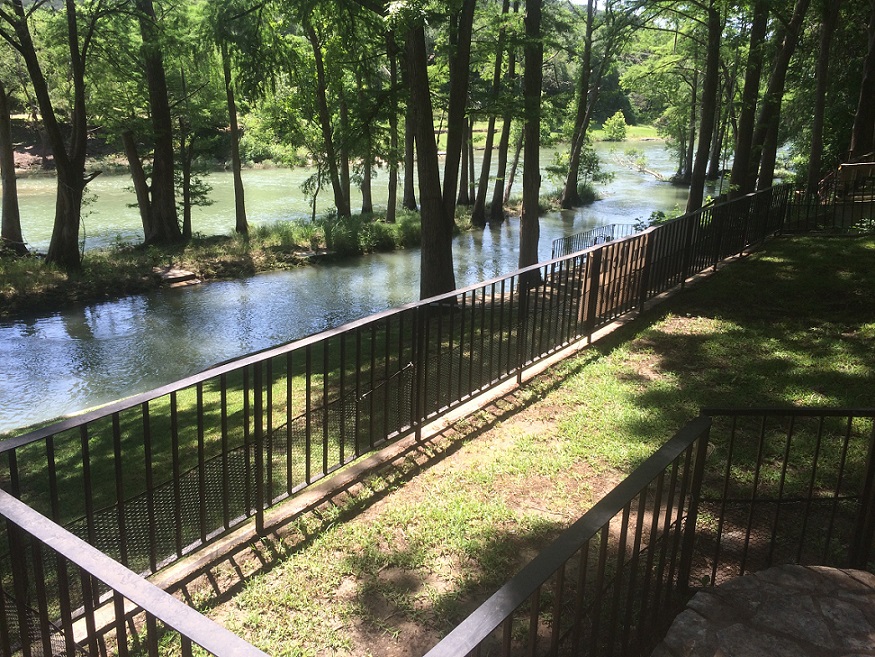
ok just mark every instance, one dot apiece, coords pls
pixel 389 566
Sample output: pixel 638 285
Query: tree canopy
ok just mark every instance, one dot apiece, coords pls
pixel 351 86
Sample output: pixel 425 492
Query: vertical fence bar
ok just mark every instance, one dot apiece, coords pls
pixel 225 447
pixel 811 485
pixel 119 489
pixel 268 429
pixel 689 539
pixel 202 467
pixel 150 488
pixel 176 472
pixel 308 413
pixel 39 578
pixel 258 412
pixel 781 481
pixel 326 403
pixel 290 436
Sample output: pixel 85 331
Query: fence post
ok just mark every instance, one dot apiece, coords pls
pixel 257 411
pixel 417 389
pixel 645 269
pixel 688 246
pixel 523 324
pixel 689 537
pixel 595 275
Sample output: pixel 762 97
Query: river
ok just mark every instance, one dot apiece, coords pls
pixel 60 363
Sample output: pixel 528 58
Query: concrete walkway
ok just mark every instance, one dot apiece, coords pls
pixel 785 611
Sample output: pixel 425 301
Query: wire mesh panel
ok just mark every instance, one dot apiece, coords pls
pixel 785 487
pixel 81 613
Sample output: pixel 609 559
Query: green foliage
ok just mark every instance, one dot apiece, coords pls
pixel 364 234
pixel 615 127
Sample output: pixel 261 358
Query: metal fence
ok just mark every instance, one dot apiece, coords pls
pixel 151 478
pixel 599 235
pixel 733 492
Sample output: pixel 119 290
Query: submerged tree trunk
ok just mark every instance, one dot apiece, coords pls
pixel 534 58
pixel 478 213
pixel 368 157
pixel 164 223
pixel 343 148
pixel 747 118
pixel 710 88
pixel 514 165
pixel 408 200
pixel 340 202
pixel 240 224
pixel 138 177
pixel 393 129
pixel 496 210
pixel 456 124
pixel 70 163
pixel 437 273
pixel 462 198
pixel 10 232
pixel 570 196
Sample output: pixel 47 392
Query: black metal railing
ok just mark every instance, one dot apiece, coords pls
pixel 733 492
pixel 599 235
pixel 151 478
pixel 844 200
pixel 97 606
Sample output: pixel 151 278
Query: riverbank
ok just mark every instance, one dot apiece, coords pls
pixel 28 284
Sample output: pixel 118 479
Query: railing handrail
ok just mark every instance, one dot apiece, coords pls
pixel 486 618
pixel 142 593
pixel 799 411
pixel 262 355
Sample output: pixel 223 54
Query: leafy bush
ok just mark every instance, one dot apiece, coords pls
pixel 615 127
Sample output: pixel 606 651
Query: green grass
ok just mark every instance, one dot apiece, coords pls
pixel 411 551
pixel 633 133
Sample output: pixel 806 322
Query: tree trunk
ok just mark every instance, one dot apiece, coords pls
pixel 393 129
pixel 368 157
pixel 710 88
pixel 514 165
pixel 164 222
pixel 343 149
pixel 570 196
pixel 10 232
pixel 408 200
pixel 534 59
pixel 456 124
pixel 747 119
pixel 471 192
pixel 863 134
pixel 830 13
pixel 770 107
pixel 478 213
pixel 687 175
pixel 340 202
pixel 462 198
pixel 240 224
pixel 64 245
pixel 496 210
pixel 138 177
pixel 437 273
